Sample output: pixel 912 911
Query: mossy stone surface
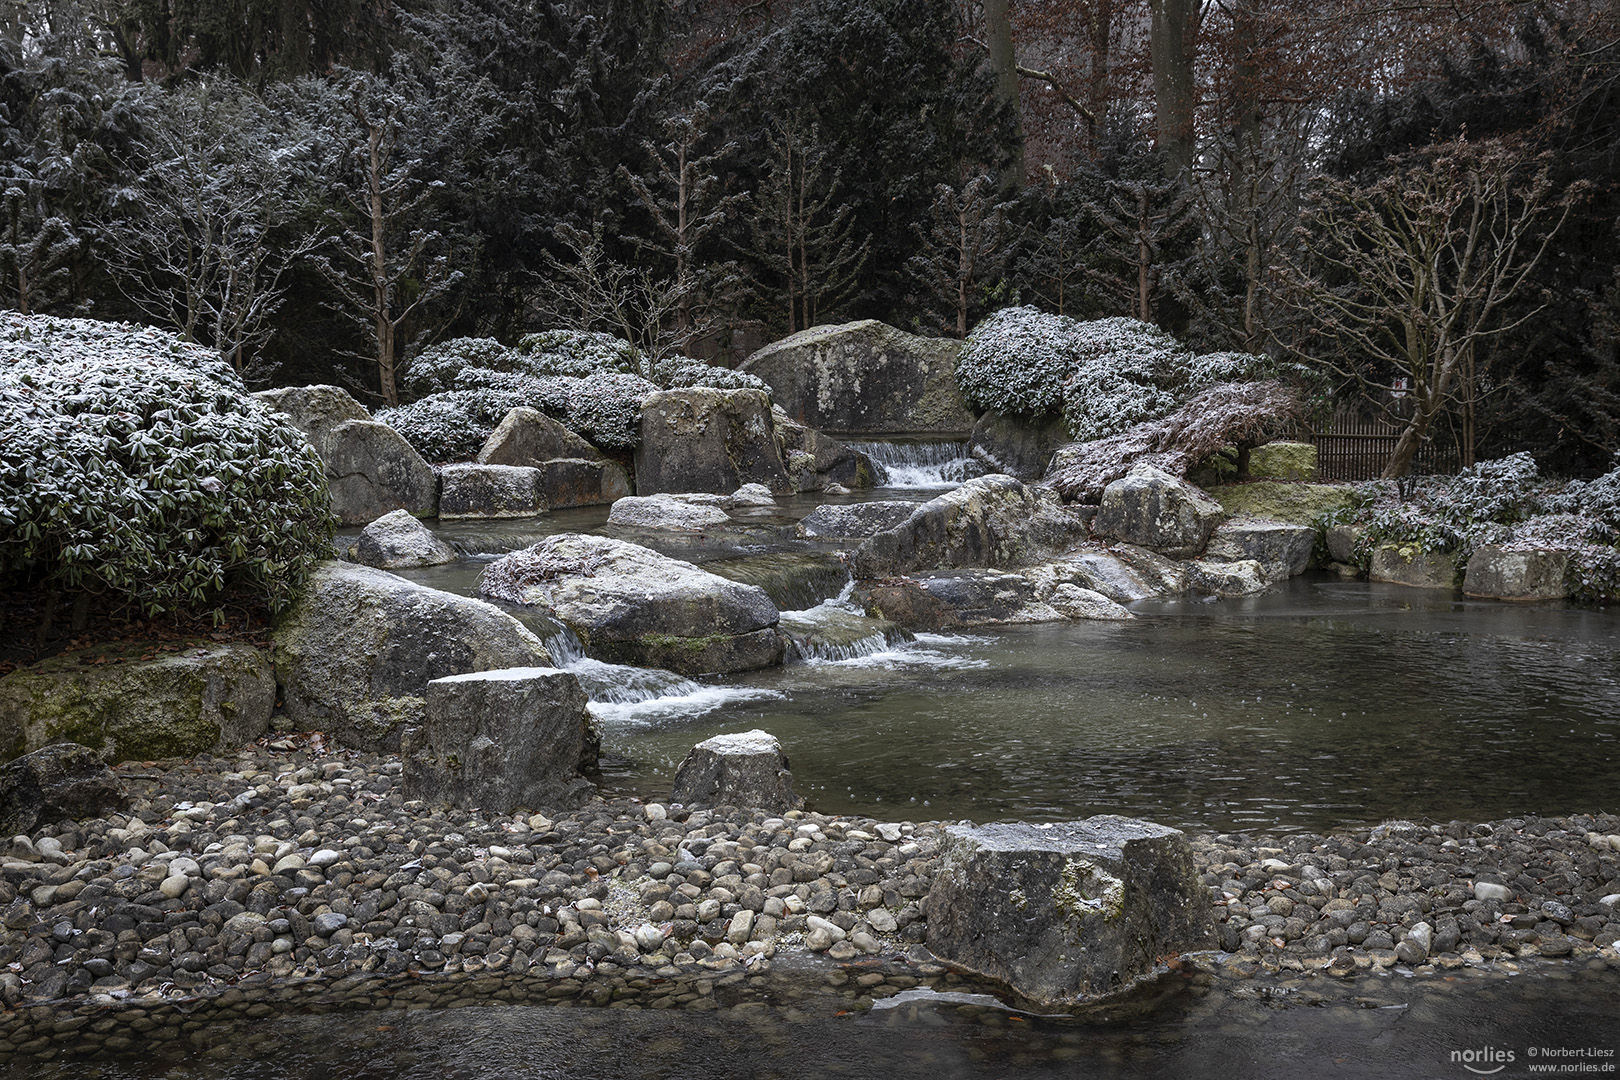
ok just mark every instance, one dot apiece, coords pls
pixel 1289 502
pixel 126 702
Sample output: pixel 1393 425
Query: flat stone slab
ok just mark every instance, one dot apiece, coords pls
pixel 1066 912
pixel 1418 569
pixel 489 491
pixel 1282 550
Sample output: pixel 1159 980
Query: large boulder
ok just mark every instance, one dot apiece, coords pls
pixel 1108 573
pixel 370 468
pixel 130 701
pixel 398 541
pixel 528 437
pixel 489 491
pixel 991 521
pixel 1282 550
pixel 747 770
pixel 64 780
pixel 1016 446
pixel 816 461
pixel 499 740
pixel 866 379
pixel 845 521
pixel 1068 912
pixel 703 439
pixel 572 472
pixel 354 655
pixel 1501 573
pixel 1405 565
pixel 565 482
pixel 1153 509
pixel 630 605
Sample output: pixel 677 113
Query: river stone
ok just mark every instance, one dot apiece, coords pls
pixel 832 632
pixel 1015 445
pixel 398 541
pixel 630 605
pixel 850 520
pixel 747 770
pixel 64 780
pixel 950 599
pixel 1242 577
pixel 1074 602
pixel 1283 551
pixel 991 521
pixel 1419 569
pixel 1104 572
pixel 1066 912
pixel 128 701
pixel 489 491
pixel 1499 573
pixel 498 740
pixel 355 653
pixel 703 439
pixel 370 468
pixel 1153 509
pixel 1342 541
pixel 816 461
pixel 866 379
pixel 664 512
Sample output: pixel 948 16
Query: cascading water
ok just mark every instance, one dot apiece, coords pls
pixel 620 694
pixel 921 464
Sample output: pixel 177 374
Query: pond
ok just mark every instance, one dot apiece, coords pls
pixel 1388 1028
pixel 1320 703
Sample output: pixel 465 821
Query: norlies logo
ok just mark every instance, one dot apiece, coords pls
pixel 1484 1061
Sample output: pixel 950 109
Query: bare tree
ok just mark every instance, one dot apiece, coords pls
pixel 1405 277
pixel 390 262
pixel 206 237
pixel 960 243
pixel 801 232
pixel 590 290
pixel 686 209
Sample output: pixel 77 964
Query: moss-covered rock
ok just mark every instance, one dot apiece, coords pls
pixel 126 703
pixel 1293 503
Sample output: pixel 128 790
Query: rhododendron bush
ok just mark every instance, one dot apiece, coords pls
pixel 135 469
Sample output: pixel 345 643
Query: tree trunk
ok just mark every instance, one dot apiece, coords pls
pixel 1173 47
pixel 382 315
pixel 1004 64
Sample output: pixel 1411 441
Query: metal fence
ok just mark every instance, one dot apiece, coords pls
pixel 1355 447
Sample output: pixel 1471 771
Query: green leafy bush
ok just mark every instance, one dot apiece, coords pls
pixel 136 470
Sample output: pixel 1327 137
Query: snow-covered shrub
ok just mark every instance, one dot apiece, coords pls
pixel 451 426
pixel 1017 360
pixel 1223 415
pixel 440 367
pixel 1103 376
pixel 575 353
pixel 606 409
pixel 39 340
pixel 679 372
pixel 137 470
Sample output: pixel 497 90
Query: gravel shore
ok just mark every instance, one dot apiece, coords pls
pixel 242 878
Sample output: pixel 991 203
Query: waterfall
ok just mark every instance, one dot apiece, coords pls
pixel 921 464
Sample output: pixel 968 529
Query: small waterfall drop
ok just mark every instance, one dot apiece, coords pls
pixel 921 465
